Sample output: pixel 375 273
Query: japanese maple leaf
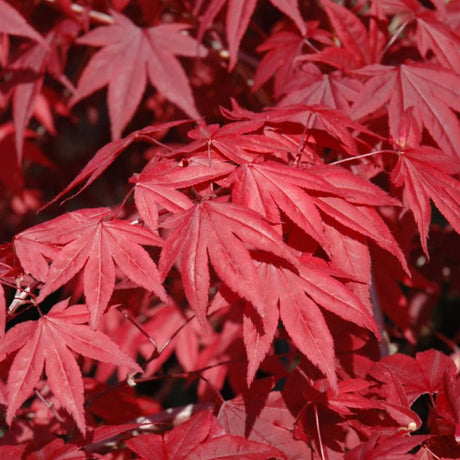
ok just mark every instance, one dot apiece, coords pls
pixel 176 444
pixel 230 141
pixel 47 343
pixel 358 47
pixel 422 374
pixel 310 86
pixel 282 47
pixel 221 231
pixel 262 415
pixel 29 71
pixel 426 173
pixel 12 23
pixel 129 55
pixel 309 195
pixel 300 298
pixel 268 187
pixel 157 185
pixel 431 33
pixel 382 447
pixel 235 448
pixel 330 121
pixel 199 438
pixel 432 90
pixel 95 245
pixel 239 13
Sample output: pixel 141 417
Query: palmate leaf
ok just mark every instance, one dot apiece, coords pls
pixel 197 439
pixel 300 296
pixel 47 343
pixel 239 13
pixel 178 443
pixel 221 231
pixel 129 55
pixel 12 23
pixel 425 173
pixel 263 416
pixel 309 196
pixel 310 86
pixel 95 244
pixel 432 90
pixel 432 33
pixel 30 69
pixel 157 184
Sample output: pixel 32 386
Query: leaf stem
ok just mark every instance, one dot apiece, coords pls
pixel 49 405
pixel 318 430
pixel 364 155
pixel 394 37
pixel 125 315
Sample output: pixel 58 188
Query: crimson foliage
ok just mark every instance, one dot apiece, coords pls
pixel 257 259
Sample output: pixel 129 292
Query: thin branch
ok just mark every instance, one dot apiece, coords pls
pixel 96 16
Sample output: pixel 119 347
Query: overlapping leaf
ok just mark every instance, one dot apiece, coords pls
pixel 131 54
pixel 310 86
pixel 300 297
pixel 239 13
pixel 431 90
pixel 282 48
pixel 221 231
pixel 425 173
pixel 30 69
pixel 47 343
pixel 157 185
pixel 12 23
pixel 431 33
pixel 95 244
pixel 262 416
pixel 332 192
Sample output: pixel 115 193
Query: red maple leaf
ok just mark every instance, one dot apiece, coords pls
pixel 432 90
pixel 12 23
pixel 262 415
pixel 300 297
pixel 178 443
pixel 200 438
pixel 47 343
pixel 382 447
pixel 282 48
pixel 310 86
pixel 237 21
pixel 357 47
pixel 129 55
pixel 431 33
pixel 309 196
pixel 221 231
pixel 157 184
pixel 90 241
pixel 425 173
pixel 30 69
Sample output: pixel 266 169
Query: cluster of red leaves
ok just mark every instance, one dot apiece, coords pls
pixel 268 261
